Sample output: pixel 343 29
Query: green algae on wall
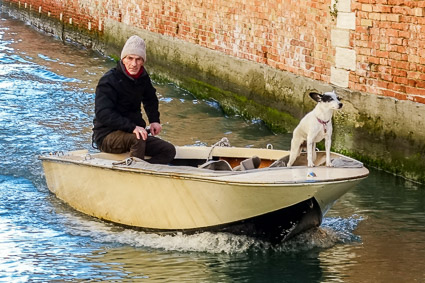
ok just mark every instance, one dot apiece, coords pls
pixel 232 103
pixel 381 147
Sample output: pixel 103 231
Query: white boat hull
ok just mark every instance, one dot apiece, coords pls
pixel 162 198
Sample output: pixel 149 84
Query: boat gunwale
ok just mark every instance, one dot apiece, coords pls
pixel 212 175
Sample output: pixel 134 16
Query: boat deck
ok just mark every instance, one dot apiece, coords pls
pixel 189 162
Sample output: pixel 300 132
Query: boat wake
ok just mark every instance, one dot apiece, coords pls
pixel 332 232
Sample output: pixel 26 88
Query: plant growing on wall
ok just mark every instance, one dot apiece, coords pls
pixel 333 10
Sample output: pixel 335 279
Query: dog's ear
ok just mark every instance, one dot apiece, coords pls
pixel 316 96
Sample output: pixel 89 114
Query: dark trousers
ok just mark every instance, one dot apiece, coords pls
pixel 160 151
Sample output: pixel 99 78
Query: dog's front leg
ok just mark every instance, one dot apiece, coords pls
pixel 295 150
pixel 328 141
pixel 310 144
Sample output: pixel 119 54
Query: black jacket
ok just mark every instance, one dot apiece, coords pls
pixel 118 103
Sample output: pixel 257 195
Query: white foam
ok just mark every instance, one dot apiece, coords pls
pixel 332 232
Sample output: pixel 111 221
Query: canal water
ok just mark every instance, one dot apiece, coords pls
pixel 375 233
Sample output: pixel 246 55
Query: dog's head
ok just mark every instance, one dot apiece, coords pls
pixel 330 98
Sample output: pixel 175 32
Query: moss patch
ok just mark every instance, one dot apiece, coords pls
pixel 234 104
pixel 378 147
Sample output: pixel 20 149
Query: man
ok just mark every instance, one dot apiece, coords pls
pixel 118 124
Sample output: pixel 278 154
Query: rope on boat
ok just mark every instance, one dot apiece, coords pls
pixel 54 153
pixel 224 142
pixel 128 161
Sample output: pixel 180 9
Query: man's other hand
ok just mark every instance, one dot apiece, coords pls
pixel 155 128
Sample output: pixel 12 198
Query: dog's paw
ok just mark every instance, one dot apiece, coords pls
pixel 329 165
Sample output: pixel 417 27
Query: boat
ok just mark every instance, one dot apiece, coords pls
pixel 243 191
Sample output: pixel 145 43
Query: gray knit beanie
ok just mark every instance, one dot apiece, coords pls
pixel 134 46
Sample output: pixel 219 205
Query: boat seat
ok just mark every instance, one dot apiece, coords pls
pixel 217 165
pixel 346 163
pixel 280 162
pixel 248 164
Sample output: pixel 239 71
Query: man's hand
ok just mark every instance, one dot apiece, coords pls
pixel 155 128
pixel 140 133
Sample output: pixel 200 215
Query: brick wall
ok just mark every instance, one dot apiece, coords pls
pixel 389 41
pixel 374 46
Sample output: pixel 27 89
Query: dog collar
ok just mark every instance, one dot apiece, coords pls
pixel 324 123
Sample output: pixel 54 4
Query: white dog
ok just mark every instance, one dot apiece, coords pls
pixel 314 127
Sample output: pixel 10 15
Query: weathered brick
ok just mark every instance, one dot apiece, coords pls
pixel 391 32
pixel 405 34
pixel 417 98
pixel 415 90
pixel 420 84
pixel 374 60
pixel 419 12
pixel 367 7
pixel 382 8
pixel 367 23
pixel 401 80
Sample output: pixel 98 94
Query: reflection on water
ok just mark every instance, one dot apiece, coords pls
pixel 375 233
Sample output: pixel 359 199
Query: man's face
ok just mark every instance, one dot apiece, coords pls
pixel 133 63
